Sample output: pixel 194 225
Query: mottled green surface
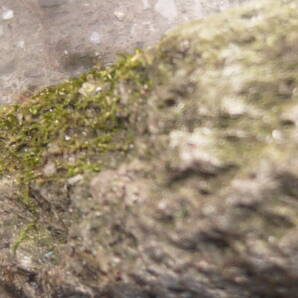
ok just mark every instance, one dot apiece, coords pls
pixel 204 204
pixel 66 131
pixel 76 120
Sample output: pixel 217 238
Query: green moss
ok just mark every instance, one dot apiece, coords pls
pixel 76 127
pixel 23 234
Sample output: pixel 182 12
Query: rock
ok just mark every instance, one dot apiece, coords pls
pixel 50 3
pixel 40 33
pixel 204 204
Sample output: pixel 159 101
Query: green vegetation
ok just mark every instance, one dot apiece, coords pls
pixel 69 129
pixel 23 234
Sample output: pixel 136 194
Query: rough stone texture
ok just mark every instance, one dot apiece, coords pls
pixel 205 204
pixel 45 41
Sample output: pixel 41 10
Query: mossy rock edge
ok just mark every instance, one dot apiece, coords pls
pixel 172 173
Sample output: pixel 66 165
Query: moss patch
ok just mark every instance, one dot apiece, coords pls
pixel 76 127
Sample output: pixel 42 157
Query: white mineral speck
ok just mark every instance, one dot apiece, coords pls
pixel 120 15
pixel 95 38
pixel 167 8
pixel 7 14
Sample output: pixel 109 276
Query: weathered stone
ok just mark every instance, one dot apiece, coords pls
pixel 204 204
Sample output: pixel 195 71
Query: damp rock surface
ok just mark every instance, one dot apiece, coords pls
pixel 174 174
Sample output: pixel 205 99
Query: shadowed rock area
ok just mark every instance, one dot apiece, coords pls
pixel 172 173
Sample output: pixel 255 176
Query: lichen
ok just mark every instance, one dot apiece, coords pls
pixel 218 81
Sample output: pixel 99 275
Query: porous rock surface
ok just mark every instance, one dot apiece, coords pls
pixel 205 202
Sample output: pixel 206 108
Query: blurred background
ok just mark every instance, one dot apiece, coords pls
pixel 45 41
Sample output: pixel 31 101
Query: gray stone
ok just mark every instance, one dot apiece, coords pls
pixel 34 29
pixel 204 204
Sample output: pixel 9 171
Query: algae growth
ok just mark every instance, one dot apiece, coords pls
pixel 76 127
